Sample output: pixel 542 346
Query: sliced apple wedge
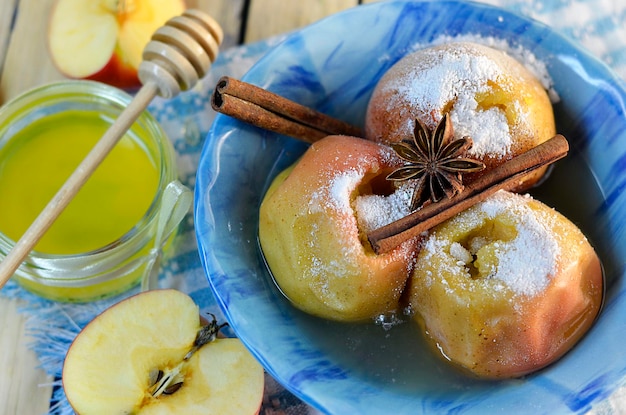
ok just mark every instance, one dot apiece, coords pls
pixel 149 354
pixel 103 40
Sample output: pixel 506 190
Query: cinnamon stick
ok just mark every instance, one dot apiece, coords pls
pixel 267 110
pixel 504 177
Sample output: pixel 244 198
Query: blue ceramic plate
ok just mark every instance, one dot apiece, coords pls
pixel 347 369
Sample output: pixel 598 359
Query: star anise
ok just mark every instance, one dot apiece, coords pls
pixel 435 160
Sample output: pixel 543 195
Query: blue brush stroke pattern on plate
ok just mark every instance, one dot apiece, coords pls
pixel 333 66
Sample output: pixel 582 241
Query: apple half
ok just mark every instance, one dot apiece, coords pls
pixel 103 40
pixel 149 354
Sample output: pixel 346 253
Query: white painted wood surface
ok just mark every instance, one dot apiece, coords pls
pixel 24 389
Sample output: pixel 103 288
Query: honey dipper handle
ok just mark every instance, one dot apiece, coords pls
pixel 74 183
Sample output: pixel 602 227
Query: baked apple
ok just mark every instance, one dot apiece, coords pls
pixel 312 240
pixel 490 97
pixel 506 287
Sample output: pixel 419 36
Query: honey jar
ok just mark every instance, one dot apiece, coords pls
pixel 113 229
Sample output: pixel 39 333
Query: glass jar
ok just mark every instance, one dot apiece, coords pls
pixel 79 266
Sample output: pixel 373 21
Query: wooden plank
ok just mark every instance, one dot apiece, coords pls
pixel 7 9
pixel 271 17
pixel 24 389
pixel 24 63
pixel 7 14
pixel 28 63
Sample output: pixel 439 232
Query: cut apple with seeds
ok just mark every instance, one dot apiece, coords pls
pixel 149 354
pixel 103 40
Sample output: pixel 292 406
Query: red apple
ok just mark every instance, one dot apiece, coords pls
pixel 103 40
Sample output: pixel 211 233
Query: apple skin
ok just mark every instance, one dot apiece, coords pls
pixel 108 366
pixel 117 73
pixel 479 323
pixel 92 40
pixel 311 238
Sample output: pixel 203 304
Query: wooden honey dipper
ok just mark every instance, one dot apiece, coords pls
pixel 177 56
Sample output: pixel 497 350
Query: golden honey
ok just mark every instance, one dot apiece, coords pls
pixel 38 160
pixel 101 242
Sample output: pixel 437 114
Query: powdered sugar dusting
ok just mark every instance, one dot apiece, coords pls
pixel 335 194
pixel 525 264
pixel 341 188
pixel 375 211
pixel 332 198
pixel 460 253
pixel 454 78
pixel 534 65
pixel 528 262
pixel 489 129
